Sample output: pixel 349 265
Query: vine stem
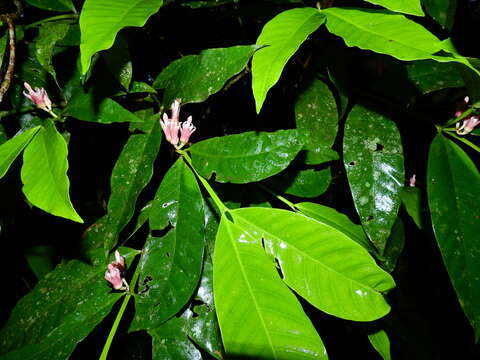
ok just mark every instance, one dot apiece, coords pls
pixel 53 18
pixel 221 206
pixel 120 313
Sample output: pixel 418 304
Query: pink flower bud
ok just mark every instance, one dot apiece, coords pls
pixel 467 125
pixel 412 181
pixel 115 273
pixel 39 97
pixel 186 130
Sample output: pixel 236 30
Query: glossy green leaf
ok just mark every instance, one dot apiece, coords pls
pixel 283 35
pixel 194 78
pixel 118 61
pixel 170 342
pixel 10 149
pixel 429 75
pixel 443 11
pixel 316 259
pixel 373 159
pixel 259 316
pixel 246 157
pixel 394 247
pixel 44 173
pixel 415 204
pixel 453 186
pixel 339 221
pixel 304 183
pixel 49 34
pixel 411 7
pixel 133 170
pixel 52 5
pixel 316 112
pixel 101 20
pixel 383 32
pixel 381 343
pixel 173 262
pixel 60 311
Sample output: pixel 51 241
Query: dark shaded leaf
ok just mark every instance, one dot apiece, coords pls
pixel 394 246
pixel 443 11
pixel 52 5
pixel 429 75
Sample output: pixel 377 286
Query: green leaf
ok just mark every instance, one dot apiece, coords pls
pixel 415 204
pixel 259 316
pixel 383 32
pixel 118 61
pixel 381 343
pixel 304 183
pixel 338 221
pixel 394 246
pixel 453 187
pixel 174 262
pixel 101 20
pixel 411 7
pixel 10 149
pixel 50 33
pixel 133 170
pixel 316 259
pixel 283 35
pixel 373 160
pixel 3 136
pixel 40 258
pixel 429 75
pixel 443 11
pixel 60 311
pixel 52 5
pixel 44 173
pixel 316 112
pixel 194 78
pixel 170 342
pixel 247 157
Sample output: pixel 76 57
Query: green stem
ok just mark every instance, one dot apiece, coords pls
pixel 465 141
pixel 281 198
pixel 14 112
pixel 221 206
pixel 114 328
pixel 53 18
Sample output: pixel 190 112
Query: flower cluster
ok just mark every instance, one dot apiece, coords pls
pixel 467 124
pixel 171 127
pixel 39 97
pixel 115 273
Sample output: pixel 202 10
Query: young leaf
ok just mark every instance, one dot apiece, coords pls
pixel 44 173
pixel 316 112
pixel 50 33
pixel 259 316
pixel 246 157
pixel 411 7
pixel 381 343
pixel 283 35
pixel 133 170
pixel 60 311
pixel 322 264
pixel 194 78
pixel 173 263
pixel 373 160
pixel 338 221
pixel 453 188
pixel 10 149
pixel 383 32
pixel 100 20
pixel 443 11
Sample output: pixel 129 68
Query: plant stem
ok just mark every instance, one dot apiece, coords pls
pixel 221 206
pixel 53 18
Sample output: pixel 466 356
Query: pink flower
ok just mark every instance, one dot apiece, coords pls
pixel 115 273
pixel 171 126
pixel 413 181
pixel 186 130
pixel 39 97
pixel 468 124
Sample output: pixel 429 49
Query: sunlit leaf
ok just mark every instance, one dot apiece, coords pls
pixel 283 34
pixel 268 322
pixel 453 186
pixel 60 311
pixel 412 7
pixel 246 157
pixel 100 20
pixel 194 78
pixel 373 160
pixel 44 173
pixel 316 259
pixel 10 149
pixel 381 343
